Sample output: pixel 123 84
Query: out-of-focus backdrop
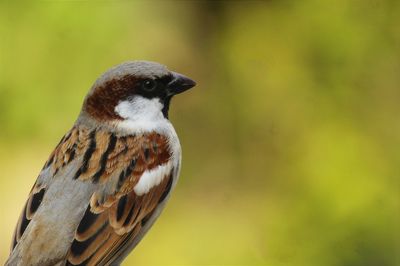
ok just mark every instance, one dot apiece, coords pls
pixel 291 140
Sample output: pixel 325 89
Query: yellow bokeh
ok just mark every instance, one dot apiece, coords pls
pixel 291 139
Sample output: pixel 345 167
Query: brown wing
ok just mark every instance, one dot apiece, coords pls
pixel 101 237
pixel 116 214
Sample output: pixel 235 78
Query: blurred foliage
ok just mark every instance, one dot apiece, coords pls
pixel 290 140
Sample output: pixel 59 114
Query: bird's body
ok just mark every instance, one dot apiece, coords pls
pixel 109 177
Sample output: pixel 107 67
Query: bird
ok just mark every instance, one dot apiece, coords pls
pixel 110 176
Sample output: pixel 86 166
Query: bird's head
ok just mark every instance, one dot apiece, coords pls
pixel 133 90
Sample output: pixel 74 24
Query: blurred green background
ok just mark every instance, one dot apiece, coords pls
pixel 290 140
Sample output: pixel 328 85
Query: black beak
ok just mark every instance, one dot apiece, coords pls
pixel 179 84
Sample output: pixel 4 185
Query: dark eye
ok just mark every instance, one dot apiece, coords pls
pixel 149 85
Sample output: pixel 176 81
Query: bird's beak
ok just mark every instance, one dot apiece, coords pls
pixel 179 84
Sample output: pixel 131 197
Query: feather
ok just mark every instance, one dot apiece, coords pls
pixel 111 166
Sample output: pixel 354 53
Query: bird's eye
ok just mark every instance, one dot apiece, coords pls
pixel 149 84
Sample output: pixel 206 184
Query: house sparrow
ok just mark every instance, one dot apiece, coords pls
pixel 110 176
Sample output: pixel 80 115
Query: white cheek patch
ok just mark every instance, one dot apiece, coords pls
pixel 152 178
pixel 141 114
pixel 140 108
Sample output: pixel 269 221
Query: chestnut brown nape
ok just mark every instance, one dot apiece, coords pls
pixel 101 103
